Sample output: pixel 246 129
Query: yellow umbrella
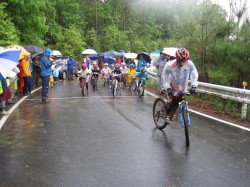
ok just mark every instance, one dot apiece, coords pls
pixel 23 50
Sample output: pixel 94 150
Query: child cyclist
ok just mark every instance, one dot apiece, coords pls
pixel 84 72
pixel 130 74
pixel 123 69
pixel 117 72
pixel 143 76
pixel 95 72
pixel 105 71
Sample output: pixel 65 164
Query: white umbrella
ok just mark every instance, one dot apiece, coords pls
pixel 130 55
pixel 89 52
pixel 56 53
pixel 170 51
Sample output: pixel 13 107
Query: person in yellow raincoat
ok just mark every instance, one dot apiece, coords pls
pixel 130 73
pixel 51 79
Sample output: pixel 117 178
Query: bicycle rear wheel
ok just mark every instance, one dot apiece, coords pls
pixel 159 113
pixel 94 84
pixel 114 87
pixel 185 119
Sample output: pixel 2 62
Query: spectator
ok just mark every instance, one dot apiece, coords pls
pixel 70 64
pixel 36 70
pixel 55 73
pixel 5 94
pixel 26 76
pixel 141 64
pixel 45 73
pixel 87 61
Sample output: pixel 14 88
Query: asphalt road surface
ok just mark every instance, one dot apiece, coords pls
pixel 103 141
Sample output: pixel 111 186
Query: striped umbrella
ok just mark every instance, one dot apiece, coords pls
pixel 9 58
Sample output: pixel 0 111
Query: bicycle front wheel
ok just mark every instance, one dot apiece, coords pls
pixel 185 120
pixel 94 84
pixel 159 113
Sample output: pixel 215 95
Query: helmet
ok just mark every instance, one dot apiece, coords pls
pixel 106 64
pixel 132 66
pixel 182 55
pixel 123 64
pixel 143 70
pixel 94 62
pixel 117 66
pixel 112 65
pixel 84 66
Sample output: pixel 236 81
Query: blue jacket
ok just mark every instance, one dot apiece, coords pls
pixel 141 64
pixel 46 63
pixel 70 63
pixel 145 75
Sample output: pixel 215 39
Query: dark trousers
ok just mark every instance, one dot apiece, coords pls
pixel 70 74
pixel 28 81
pixel 45 86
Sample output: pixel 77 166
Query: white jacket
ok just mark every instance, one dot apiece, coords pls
pixel 177 78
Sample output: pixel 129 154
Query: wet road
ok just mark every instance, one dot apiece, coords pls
pixel 103 141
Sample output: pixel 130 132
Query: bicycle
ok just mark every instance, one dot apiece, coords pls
pixel 141 87
pixel 94 80
pixel 83 79
pixel 114 85
pixel 161 107
pixel 105 79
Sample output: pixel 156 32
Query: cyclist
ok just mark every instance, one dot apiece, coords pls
pixel 130 73
pixel 105 71
pixel 95 72
pixel 84 72
pixel 175 78
pixel 123 69
pixel 142 75
pixel 117 71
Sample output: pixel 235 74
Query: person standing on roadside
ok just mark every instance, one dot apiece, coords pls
pixel 70 64
pixel 159 66
pixel 141 64
pixel 36 70
pixel 45 73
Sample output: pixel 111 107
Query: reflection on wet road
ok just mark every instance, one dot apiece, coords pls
pixel 99 140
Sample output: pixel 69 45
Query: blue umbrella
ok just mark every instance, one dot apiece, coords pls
pixel 9 58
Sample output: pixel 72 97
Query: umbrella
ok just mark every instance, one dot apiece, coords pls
pixel 111 53
pixel 170 51
pixel 130 55
pixel 56 53
pixel 1 48
pixel 33 48
pixel 145 56
pixel 9 58
pixel 89 52
pixel 40 54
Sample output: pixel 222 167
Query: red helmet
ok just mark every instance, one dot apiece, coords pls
pixel 182 55
pixel 84 66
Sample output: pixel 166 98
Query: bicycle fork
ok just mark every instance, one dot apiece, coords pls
pixel 183 106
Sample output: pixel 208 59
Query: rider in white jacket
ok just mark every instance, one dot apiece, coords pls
pixel 176 74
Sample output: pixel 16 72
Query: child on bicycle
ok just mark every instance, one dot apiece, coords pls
pixel 95 72
pixel 175 78
pixel 130 74
pixel 84 72
pixel 118 72
pixel 143 76
pixel 105 71
pixel 123 69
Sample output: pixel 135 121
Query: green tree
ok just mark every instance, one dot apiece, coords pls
pixel 8 32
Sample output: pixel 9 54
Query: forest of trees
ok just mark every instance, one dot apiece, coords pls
pixel 219 43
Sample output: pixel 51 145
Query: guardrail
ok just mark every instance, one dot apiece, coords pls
pixel 235 94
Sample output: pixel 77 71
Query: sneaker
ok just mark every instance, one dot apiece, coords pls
pixel 167 120
pixel 3 112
